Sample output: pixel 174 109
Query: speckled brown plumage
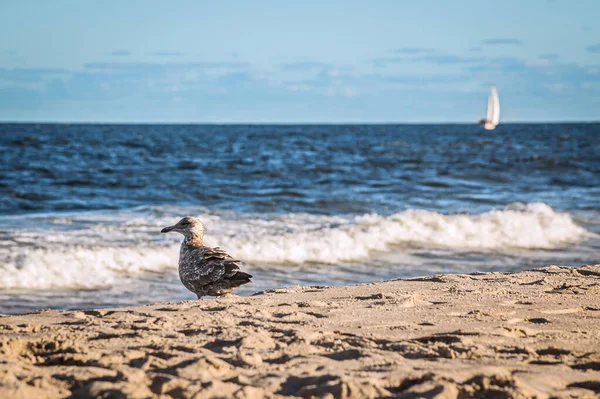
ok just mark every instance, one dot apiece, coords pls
pixel 204 270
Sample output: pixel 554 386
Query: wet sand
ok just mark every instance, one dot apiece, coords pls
pixel 521 335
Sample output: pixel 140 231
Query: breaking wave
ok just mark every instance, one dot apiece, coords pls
pixel 97 250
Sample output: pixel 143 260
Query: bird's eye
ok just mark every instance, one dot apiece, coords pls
pixel 185 223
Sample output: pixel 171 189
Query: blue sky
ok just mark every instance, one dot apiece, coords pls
pixel 306 61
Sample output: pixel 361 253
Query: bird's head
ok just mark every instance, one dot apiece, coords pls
pixel 190 227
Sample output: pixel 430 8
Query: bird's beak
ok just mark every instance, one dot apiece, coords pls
pixel 167 229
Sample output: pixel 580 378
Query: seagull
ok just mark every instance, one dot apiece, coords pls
pixel 204 270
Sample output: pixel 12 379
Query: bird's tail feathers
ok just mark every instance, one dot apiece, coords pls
pixel 242 276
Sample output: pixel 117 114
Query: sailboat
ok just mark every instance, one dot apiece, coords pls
pixel 493 110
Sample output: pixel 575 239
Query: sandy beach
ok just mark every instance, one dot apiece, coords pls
pixel 528 334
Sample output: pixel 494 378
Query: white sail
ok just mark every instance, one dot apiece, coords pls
pixel 493 110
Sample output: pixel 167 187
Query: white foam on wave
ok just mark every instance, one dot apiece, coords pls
pixel 80 267
pixel 91 251
pixel 518 226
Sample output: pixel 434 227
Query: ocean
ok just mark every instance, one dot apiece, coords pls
pixel 83 205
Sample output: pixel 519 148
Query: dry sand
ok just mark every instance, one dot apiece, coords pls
pixel 528 334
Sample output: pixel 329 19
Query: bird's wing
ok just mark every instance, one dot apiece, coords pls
pixel 214 264
pixel 229 265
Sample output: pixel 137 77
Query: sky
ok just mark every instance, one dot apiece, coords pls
pixel 298 62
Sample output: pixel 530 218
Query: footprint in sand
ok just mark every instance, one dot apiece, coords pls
pixel 562 311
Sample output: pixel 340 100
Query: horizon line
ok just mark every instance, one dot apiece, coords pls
pixel 284 123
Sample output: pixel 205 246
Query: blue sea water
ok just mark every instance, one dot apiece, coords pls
pixel 82 205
